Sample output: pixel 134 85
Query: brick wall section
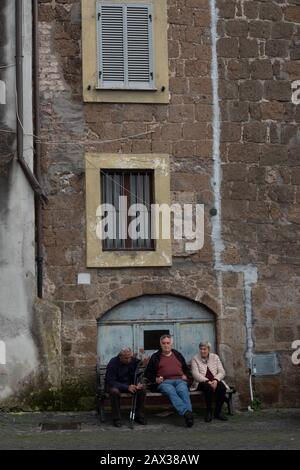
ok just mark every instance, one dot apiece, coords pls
pixel 259 156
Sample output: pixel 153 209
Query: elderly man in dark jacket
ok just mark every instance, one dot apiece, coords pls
pixel 119 379
pixel 168 372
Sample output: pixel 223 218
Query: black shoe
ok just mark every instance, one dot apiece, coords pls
pixel 189 419
pixel 208 416
pixel 117 423
pixel 141 420
pixel 220 417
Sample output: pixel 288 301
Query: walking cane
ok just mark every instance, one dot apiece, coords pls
pixel 134 398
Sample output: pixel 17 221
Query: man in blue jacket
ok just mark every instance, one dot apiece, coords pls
pixel 119 379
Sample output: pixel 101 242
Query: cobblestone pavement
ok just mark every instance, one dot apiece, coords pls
pixel 270 429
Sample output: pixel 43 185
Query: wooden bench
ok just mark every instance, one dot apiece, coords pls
pixel 102 395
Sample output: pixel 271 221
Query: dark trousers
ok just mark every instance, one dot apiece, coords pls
pixel 115 395
pixel 209 393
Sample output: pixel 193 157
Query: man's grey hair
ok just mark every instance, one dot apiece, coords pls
pixel 205 344
pixel 164 337
pixel 125 351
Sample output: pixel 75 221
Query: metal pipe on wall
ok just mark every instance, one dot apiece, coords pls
pixel 37 146
pixel 19 101
pixel 19 77
pixel 33 180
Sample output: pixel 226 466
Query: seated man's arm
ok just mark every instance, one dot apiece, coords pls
pixel 221 372
pixel 112 378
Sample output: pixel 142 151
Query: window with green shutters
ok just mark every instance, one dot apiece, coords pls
pixel 125 46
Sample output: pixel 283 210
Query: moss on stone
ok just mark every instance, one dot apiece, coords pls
pixel 72 396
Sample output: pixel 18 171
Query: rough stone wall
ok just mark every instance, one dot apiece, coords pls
pixel 257 59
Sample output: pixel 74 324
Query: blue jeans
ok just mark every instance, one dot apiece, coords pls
pixel 178 393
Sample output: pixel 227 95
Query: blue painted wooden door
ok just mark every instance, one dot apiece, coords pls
pixel 139 323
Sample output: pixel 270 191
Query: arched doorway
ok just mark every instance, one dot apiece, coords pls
pixel 139 323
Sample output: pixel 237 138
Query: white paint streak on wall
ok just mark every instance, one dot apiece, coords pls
pixel 217 171
pixel 249 271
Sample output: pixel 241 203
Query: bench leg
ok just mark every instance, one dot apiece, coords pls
pixel 230 405
pixel 100 409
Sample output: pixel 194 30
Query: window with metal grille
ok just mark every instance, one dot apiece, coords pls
pixel 125 46
pixel 130 225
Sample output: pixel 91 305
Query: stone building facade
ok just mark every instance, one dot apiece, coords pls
pixel 231 131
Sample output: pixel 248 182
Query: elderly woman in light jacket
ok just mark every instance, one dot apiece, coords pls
pixel 208 373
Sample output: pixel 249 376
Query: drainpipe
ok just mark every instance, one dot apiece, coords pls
pixel 37 146
pixel 19 101
pixel 31 178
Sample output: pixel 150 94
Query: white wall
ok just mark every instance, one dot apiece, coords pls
pixel 17 251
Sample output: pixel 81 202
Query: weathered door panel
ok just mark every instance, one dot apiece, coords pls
pixel 111 339
pixel 138 324
pixel 190 336
pixel 158 308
